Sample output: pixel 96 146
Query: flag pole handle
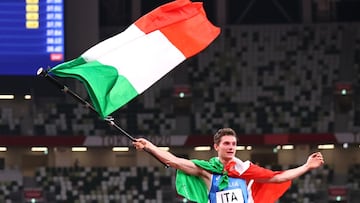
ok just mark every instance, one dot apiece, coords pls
pixel 112 123
pixel 44 73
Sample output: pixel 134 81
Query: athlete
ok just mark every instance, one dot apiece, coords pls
pixel 225 178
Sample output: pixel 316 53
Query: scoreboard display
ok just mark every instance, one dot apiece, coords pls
pixel 31 35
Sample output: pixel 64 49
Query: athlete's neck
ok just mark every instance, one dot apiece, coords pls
pixel 224 161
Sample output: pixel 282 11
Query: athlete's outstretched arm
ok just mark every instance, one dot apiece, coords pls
pixel 170 159
pixel 315 160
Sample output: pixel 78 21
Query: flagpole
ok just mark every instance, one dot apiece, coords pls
pixel 44 73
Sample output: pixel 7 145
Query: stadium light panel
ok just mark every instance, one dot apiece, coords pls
pixel 120 149
pixel 39 149
pixel 79 149
pixel 326 146
pixel 7 96
pixel 202 148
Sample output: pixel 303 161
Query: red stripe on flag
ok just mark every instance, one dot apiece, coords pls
pixel 184 24
pixel 261 191
pixel 166 15
pixel 192 35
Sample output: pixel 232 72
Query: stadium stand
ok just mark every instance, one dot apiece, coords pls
pixel 258 79
pixel 101 184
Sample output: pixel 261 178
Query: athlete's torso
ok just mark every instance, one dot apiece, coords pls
pixel 236 192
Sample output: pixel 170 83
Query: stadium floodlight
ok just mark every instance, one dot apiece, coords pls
pixel 79 149
pixel 39 149
pixel 202 148
pixel 240 148
pixel 326 146
pixel 164 148
pixel 120 149
pixel 7 96
pixel 288 147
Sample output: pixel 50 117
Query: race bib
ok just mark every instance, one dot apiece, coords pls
pixel 229 196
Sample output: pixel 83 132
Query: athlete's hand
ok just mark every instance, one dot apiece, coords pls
pixel 141 143
pixel 315 160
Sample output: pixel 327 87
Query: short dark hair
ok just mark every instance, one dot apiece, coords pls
pixel 222 132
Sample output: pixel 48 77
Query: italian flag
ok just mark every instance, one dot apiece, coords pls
pixel 194 188
pixel 122 67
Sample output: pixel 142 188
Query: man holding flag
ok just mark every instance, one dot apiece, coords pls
pixel 225 178
pixel 118 69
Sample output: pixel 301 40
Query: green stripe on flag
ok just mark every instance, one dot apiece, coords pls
pixel 108 91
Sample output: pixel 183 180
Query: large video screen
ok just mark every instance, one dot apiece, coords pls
pixel 31 35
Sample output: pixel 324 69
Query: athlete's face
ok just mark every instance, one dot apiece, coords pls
pixel 226 148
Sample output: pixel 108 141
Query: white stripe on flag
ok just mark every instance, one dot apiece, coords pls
pixel 151 57
pixel 241 166
pixel 113 43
